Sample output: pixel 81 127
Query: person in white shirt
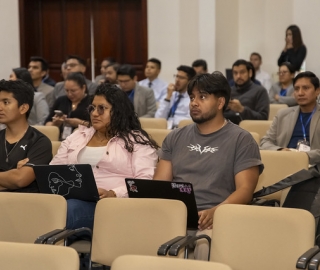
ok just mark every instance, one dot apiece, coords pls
pixel 152 81
pixel 175 106
pixel 262 76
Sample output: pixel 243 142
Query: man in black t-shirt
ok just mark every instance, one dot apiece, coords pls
pixel 19 142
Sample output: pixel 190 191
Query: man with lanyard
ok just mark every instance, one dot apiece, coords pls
pixel 21 145
pixel 175 106
pixel 298 128
pixel 141 97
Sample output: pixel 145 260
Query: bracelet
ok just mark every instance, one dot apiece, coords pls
pixel 114 194
pixel 168 100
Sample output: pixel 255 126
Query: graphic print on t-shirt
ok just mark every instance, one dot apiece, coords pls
pixel 206 149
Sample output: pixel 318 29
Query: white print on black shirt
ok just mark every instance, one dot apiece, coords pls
pixel 205 149
pixel 23 146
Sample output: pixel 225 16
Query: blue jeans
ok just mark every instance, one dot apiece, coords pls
pixel 80 214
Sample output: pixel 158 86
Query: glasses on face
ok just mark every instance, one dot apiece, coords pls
pixel 100 109
pixel 71 65
pixel 282 72
pixel 179 77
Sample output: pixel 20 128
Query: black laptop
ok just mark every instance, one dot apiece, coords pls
pixel 74 181
pixel 141 188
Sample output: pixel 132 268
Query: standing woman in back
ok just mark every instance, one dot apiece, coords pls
pixel 294 51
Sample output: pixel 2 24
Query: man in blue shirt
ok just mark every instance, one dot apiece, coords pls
pixel 297 128
pixel 152 81
pixel 175 106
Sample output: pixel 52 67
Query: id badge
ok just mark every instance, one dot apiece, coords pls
pixel 170 123
pixel 67 130
pixel 303 146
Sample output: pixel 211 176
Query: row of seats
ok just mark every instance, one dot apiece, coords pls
pixel 243 236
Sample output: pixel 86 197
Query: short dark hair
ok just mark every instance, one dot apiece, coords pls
pixel 155 61
pixel 44 63
pixel 308 74
pixel 251 67
pixel 23 92
pixel 240 62
pixel 189 70
pixel 78 78
pixel 200 63
pixel 127 70
pixel 256 54
pixel 215 84
pixel 23 74
pixel 296 36
pixel 289 66
pixel 124 121
pixel 78 58
pixel 109 59
pixel 114 65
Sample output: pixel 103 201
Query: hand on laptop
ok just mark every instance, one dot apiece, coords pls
pixel 206 218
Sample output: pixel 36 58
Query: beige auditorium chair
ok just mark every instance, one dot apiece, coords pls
pixel 138 262
pixel 256 137
pixel 259 126
pixel 278 165
pixel 158 134
pixel 52 132
pixel 55 147
pixel 274 108
pixel 185 122
pixel 135 226
pixel 17 256
pixel 247 237
pixel 25 216
pixel 158 123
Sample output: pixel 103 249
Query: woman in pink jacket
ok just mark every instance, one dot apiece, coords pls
pixel 116 147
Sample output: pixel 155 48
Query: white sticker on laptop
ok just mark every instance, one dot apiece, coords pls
pixel 183 188
pixel 133 187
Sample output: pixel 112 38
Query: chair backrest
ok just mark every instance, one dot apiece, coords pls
pixel 135 226
pixel 158 123
pixel 278 165
pixel 158 134
pixel 17 256
pixel 55 147
pixel 52 132
pixel 185 122
pixel 256 237
pixel 25 216
pixel 259 126
pixel 256 137
pixel 138 262
pixel 274 108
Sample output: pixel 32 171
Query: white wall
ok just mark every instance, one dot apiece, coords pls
pixel 10 44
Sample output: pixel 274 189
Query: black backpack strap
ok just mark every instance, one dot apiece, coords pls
pixel 289 181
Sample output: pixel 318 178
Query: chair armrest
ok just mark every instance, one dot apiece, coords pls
pixel 305 258
pixel 175 248
pixel 65 234
pixel 314 262
pixel 43 238
pixel 163 249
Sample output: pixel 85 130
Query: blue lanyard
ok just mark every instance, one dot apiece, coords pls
pixel 302 125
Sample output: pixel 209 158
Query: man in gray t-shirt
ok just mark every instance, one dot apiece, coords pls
pixel 220 159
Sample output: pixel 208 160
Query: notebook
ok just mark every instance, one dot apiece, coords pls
pixel 141 188
pixel 74 181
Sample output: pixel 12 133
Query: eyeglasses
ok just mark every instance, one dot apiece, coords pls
pixel 71 65
pixel 282 72
pixel 180 77
pixel 100 109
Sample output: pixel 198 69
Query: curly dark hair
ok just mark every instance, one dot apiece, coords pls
pixel 124 122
